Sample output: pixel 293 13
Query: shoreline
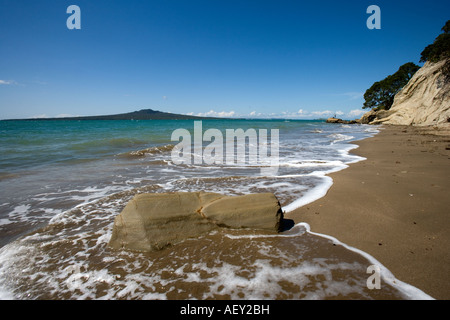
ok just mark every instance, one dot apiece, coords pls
pixel 393 205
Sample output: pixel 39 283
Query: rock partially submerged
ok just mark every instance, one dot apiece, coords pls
pixel 154 221
pixel 337 120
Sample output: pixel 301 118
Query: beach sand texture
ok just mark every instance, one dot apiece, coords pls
pixel 394 205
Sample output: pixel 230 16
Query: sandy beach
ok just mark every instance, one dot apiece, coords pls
pixel 394 205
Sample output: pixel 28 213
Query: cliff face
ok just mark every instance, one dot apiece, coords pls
pixel 425 100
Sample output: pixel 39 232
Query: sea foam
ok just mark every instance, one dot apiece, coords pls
pixel 69 258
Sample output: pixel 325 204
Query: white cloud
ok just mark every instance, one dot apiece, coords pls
pixel 300 114
pixel 220 114
pixel 324 113
pixel 7 82
pixel 356 113
pixel 40 116
pixel 66 115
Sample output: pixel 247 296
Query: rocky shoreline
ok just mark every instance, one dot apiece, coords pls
pixel 424 101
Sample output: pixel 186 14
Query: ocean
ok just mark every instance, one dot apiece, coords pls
pixel 63 182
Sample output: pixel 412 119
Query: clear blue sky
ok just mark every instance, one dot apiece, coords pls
pixel 302 59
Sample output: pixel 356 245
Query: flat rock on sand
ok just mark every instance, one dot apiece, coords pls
pixel 154 221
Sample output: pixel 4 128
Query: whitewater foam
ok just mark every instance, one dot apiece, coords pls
pixel 410 292
pixel 69 257
pixel 339 137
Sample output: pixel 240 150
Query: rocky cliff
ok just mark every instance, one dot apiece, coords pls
pixel 425 100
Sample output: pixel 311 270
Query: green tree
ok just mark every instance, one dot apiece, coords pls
pixel 381 94
pixel 440 48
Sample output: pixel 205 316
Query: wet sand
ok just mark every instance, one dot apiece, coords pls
pixel 394 205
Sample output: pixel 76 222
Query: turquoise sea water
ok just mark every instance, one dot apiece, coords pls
pixel 80 160
pixel 63 182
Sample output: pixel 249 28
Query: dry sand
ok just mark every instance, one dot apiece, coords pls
pixel 395 205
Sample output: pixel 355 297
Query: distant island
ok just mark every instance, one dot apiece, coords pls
pixel 144 114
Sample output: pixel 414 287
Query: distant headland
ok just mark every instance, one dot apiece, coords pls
pixel 144 114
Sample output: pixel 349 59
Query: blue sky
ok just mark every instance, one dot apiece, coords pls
pixel 292 59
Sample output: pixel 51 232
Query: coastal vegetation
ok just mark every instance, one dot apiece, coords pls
pixel 439 49
pixel 380 96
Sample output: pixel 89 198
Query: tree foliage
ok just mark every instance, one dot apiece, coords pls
pixel 381 94
pixel 440 48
